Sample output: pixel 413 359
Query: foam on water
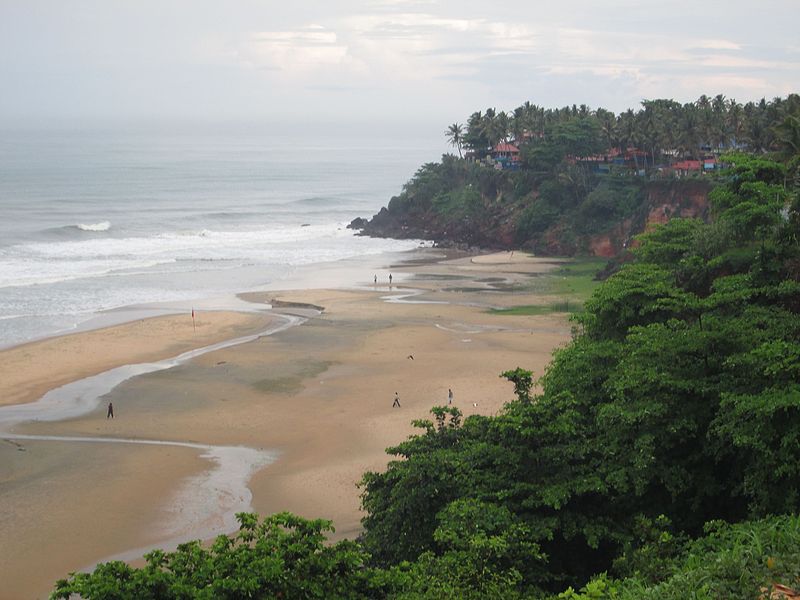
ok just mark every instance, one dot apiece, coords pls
pixel 51 262
pixel 101 226
pixel 95 220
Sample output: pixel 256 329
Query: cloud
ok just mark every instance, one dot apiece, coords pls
pixel 717 45
pixel 296 52
pixel 400 45
pixel 400 3
pixel 738 63
pixel 422 46
pixel 421 52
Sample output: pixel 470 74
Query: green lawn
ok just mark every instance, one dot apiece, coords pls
pixel 571 283
pixel 576 278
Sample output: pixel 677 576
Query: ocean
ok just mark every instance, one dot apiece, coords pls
pixel 97 218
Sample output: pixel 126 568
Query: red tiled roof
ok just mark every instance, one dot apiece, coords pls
pixel 688 165
pixel 505 147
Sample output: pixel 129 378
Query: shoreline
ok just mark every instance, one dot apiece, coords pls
pixel 72 356
pixel 312 392
pixel 343 272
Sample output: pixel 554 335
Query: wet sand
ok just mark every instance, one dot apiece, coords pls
pixel 319 393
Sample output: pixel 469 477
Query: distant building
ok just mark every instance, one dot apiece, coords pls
pixel 507 155
pixel 687 167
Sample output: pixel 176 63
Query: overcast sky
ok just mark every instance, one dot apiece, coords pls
pixel 403 60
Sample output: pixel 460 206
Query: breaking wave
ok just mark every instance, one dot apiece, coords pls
pixel 101 226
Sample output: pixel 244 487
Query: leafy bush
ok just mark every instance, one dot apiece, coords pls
pixel 731 562
pixel 609 203
pixel 284 556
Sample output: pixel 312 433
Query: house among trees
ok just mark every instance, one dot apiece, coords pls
pixel 506 154
pixel 688 167
pixel 663 139
pixel 613 160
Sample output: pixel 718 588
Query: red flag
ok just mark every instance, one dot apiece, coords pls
pixel 194 326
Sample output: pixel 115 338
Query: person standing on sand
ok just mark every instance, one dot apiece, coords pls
pixel 110 413
pixel 396 401
pixel 390 279
pixel 375 279
pixel 449 396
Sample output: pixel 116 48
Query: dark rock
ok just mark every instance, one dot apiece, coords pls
pixel 358 223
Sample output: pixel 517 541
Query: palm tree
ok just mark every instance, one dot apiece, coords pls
pixel 628 130
pixel 474 138
pixel 720 135
pixel 705 119
pixel 756 132
pixel 689 134
pixel 608 125
pixel 455 135
pixel 735 121
pixel 494 126
pixel 787 134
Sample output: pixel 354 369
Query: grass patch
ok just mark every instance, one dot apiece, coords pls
pixel 465 290
pixel 573 282
pixel 540 309
pixel 576 278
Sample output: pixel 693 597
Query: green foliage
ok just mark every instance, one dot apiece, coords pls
pixel 403 502
pixel 669 244
pixel 609 203
pixel 637 295
pixel 480 551
pixel 542 156
pixel 282 557
pixel 552 202
pixel 578 137
pixel 748 168
pixel 731 562
pixel 650 557
pixel 677 400
pixel 523 382
pixel 564 306
pixel 535 219
pixel 460 202
pixel 599 588
pixel 576 279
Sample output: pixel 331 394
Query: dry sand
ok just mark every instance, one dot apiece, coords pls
pixel 29 370
pixel 320 393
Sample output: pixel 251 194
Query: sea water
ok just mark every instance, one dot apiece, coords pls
pixel 96 218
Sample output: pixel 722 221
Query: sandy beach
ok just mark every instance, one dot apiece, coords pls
pixel 319 393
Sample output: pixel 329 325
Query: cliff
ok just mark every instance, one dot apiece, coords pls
pixel 603 221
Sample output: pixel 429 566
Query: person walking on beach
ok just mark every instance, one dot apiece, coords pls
pixel 110 413
pixel 449 396
pixel 375 279
pixel 390 279
pixel 396 401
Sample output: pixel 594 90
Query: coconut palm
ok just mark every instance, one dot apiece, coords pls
pixel 495 126
pixel 455 135
pixel 608 125
pixel 720 135
pixel 735 121
pixel 628 130
pixel 787 134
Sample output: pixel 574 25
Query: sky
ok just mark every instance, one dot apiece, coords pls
pixel 381 61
